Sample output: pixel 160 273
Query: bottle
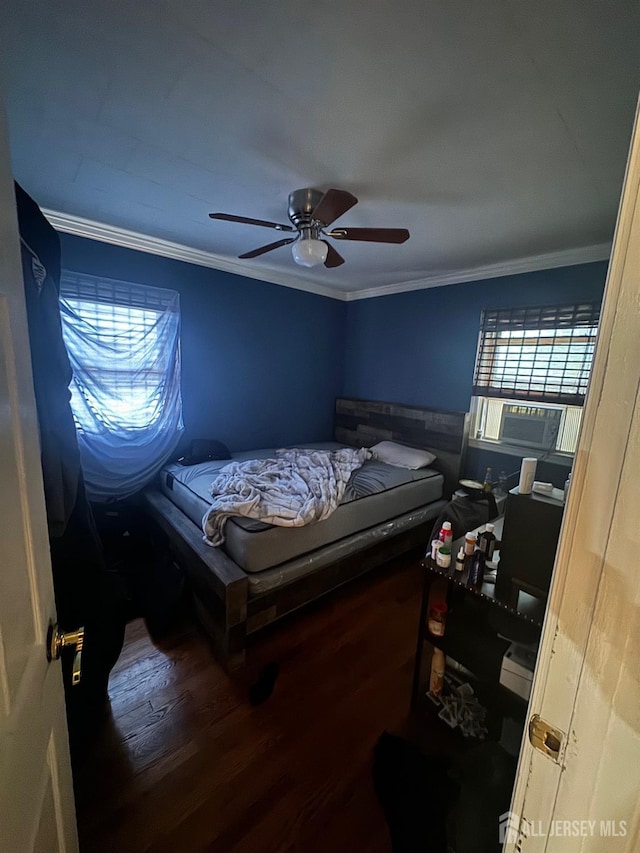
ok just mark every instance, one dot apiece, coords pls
pixel 436 681
pixel 486 486
pixel 487 542
pixel 470 542
pixel 460 560
pixel 437 618
pixel 446 534
pixel 476 569
pixel 443 556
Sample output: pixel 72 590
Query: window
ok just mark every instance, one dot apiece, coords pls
pixel 123 344
pixel 532 373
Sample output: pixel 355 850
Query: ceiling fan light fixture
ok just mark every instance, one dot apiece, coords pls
pixel 309 252
pixel 310 213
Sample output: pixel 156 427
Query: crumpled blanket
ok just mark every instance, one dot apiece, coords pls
pixel 296 487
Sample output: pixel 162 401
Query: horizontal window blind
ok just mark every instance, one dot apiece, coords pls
pixel 120 379
pixel 108 291
pixel 542 354
pixel 123 341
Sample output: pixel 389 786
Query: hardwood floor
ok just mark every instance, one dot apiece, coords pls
pixel 186 764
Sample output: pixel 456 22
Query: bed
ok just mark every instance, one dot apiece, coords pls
pixel 263 572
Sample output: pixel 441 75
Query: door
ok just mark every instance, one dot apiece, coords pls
pixel 587 682
pixel 36 795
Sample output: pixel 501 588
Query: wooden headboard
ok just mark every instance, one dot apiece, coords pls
pixel 361 423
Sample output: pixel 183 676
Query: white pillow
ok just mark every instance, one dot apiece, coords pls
pixel 402 456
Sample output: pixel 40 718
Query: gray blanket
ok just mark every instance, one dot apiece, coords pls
pixel 296 487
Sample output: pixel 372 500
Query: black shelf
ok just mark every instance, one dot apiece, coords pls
pixel 480 626
pixel 469 640
pixel 498 701
pixel 529 609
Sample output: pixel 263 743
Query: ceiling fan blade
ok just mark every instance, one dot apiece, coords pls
pixel 264 249
pixel 230 217
pixel 371 235
pixel 332 205
pixel 334 259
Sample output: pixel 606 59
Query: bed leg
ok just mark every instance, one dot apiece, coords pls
pixel 229 642
pixel 234 659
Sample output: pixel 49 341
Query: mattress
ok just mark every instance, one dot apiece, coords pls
pixel 375 494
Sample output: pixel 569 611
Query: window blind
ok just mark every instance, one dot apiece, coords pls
pixel 123 341
pixel 95 290
pixel 122 379
pixel 542 354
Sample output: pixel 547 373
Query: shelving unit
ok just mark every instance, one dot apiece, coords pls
pixel 528 608
pixel 480 626
pixel 477 621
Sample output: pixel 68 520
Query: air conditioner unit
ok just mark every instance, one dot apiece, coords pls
pixel 530 426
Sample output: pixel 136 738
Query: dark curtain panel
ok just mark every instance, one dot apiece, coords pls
pixel 84 593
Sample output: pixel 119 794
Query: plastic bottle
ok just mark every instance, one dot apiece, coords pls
pixel 443 556
pixel 487 542
pixel 460 560
pixel 476 569
pixel 437 618
pixel 470 542
pixel 436 681
pixel 487 486
pixel 446 534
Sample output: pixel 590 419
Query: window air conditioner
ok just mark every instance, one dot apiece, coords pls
pixel 530 426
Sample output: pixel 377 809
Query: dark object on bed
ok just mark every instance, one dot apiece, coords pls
pixel 203 449
pixel 232 603
pixel 466 513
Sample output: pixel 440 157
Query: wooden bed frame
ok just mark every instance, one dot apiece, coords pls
pixel 220 588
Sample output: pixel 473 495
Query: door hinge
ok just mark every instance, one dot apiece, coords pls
pixel 545 738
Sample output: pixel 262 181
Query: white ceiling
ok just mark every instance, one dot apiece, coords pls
pixel 494 130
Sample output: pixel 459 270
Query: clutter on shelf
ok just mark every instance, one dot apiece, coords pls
pixel 460 708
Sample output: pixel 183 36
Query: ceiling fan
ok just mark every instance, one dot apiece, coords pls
pixel 311 212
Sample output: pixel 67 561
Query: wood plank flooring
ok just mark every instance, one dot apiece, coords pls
pixel 186 764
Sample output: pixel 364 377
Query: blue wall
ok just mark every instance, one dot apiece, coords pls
pixel 261 364
pixel 420 347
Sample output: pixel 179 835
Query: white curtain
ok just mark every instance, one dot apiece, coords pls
pixel 124 346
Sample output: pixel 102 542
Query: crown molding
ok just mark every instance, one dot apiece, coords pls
pixel 81 227
pixel 534 263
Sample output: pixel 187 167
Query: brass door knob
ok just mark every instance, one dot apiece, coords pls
pixel 58 640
